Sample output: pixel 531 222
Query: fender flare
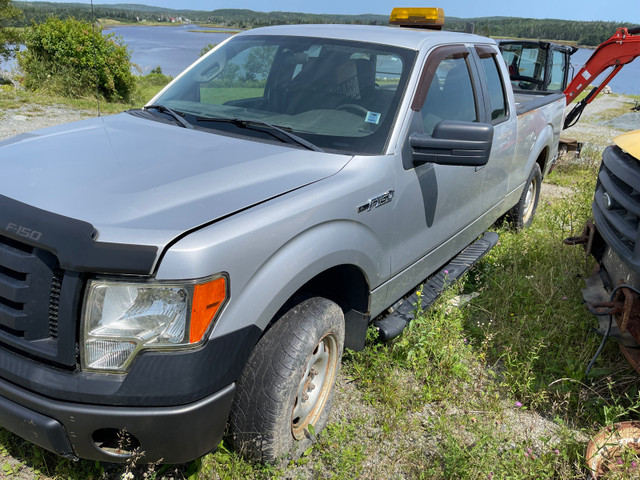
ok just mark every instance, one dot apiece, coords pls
pixel 295 263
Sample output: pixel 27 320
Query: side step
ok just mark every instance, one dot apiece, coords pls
pixel 393 325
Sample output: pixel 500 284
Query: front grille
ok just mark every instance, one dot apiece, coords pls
pixel 616 205
pixel 34 292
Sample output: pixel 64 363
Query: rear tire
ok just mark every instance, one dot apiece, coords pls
pixel 288 383
pixel 521 215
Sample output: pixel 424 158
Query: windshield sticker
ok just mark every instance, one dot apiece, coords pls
pixel 373 117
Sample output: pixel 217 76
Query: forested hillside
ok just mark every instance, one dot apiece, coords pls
pixel 584 33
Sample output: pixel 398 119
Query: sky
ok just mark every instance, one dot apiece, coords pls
pixel 608 10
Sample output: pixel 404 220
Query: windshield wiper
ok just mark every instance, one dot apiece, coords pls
pixel 172 113
pixel 278 132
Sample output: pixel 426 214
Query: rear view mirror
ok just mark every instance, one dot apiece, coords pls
pixel 211 66
pixel 296 58
pixel 453 143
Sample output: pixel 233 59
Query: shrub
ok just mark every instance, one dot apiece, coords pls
pixel 69 57
pixel 207 48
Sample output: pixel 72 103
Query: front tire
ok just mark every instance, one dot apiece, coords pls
pixel 288 383
pixel 521 215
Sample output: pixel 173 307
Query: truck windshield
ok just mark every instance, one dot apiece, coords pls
pixel 337 95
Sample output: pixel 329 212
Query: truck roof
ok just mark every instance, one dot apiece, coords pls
pixel 412 38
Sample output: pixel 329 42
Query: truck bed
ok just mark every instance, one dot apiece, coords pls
pixel 526 102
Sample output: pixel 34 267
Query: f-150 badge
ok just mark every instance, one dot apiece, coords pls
pixel 23 231
pixel 375 202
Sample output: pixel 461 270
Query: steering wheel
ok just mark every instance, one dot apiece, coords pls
pixel 353 108
pixel 523 78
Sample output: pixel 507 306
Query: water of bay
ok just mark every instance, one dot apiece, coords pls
pixel 174 48
pixel 171 48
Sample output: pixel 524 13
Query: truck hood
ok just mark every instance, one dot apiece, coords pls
pixel 139 181
pixel 629 142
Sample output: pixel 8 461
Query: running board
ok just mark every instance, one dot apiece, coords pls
pixel 392 325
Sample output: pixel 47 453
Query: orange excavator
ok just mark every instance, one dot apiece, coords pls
pixel 544 66
pixel 622 48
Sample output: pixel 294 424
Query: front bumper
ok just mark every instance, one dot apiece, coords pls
pixel 174 434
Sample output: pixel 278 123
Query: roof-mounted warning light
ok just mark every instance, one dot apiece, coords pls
pixel 432 18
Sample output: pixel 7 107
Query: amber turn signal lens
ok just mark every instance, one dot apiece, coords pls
pixel 207 299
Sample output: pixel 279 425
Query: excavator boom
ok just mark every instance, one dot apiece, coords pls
pixel 622 48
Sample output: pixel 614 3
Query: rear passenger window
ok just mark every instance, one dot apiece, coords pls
pixel 495 87
pixel 451 95
pixel 388 71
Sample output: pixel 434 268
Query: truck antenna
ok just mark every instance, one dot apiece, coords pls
pixel 93 42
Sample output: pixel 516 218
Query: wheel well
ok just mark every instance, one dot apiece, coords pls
pixel 345 285
pixel 542 159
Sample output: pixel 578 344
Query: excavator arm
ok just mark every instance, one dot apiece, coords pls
pixel 622 48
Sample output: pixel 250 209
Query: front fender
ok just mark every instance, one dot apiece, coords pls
pixel 302 258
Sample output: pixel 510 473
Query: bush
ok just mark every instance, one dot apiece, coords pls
pixel 207 48
pixel 68 57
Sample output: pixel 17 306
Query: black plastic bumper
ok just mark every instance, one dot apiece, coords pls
pixel 173 434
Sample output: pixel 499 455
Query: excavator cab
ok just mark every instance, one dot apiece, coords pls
pixel 537 66
pixel 544 67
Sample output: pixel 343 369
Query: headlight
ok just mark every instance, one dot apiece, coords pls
pixel 122 318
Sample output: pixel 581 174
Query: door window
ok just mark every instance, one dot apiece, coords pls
pixel 497 99
pixel 451 95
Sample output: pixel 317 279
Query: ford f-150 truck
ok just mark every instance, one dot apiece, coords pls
pixel 195 267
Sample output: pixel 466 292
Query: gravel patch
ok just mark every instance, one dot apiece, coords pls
pixel 628 121
pixel 598 134
pixel 15 121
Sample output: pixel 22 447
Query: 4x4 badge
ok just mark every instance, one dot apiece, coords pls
pixel 375 202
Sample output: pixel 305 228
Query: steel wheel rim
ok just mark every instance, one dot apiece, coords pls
pixel 315 385
pixel 529 201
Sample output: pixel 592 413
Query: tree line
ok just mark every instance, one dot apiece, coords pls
pixel 584 33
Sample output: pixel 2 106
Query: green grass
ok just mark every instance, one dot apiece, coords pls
pixel 35 102
pixel 455 396
pixel 229 32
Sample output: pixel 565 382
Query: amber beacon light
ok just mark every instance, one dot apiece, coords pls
pixel 432 18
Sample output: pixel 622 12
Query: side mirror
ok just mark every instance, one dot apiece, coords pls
pixel 453 143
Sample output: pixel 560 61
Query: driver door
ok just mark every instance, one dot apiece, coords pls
pixel 437 204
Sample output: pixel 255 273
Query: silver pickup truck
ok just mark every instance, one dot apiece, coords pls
pixel 197 266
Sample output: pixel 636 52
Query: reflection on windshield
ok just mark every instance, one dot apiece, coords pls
pixel 338 95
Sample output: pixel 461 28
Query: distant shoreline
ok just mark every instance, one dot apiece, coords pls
pixel 106 23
